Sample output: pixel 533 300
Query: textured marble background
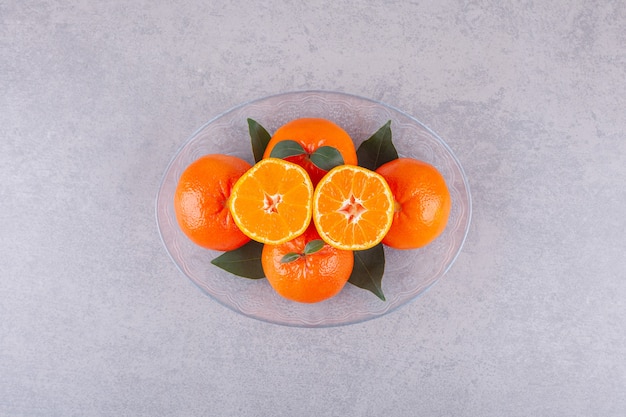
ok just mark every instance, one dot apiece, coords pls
pixel 95 98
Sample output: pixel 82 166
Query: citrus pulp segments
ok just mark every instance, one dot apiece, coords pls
pixel 272 202
pixel 352 208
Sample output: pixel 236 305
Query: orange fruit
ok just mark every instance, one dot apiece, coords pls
pixel 352 208
pixel 311 134
pixel 422 203
pixel 200 201
pixel 309 278
pixel 271 202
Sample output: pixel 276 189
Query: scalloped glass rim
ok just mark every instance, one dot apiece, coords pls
pixel 408 274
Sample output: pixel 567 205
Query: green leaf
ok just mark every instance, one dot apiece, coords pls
pixel 378 149
pixel 259 138
pixel 313 246
pixel 369 266
pixel 286 148
pixel 244 261
pixel 289 257
pixel 326 158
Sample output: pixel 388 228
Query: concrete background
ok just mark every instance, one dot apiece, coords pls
pixel 95 98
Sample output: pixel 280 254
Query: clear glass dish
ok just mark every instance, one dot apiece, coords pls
pixel 407 273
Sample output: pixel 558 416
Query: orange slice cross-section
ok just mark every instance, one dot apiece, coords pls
pixel 352 208
pixel 272 202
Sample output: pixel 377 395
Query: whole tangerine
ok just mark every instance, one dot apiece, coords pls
pixel 312 134
pixel 422 203
pixel 200 201
pixel 306 278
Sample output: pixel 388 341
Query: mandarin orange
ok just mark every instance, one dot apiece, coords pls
pixel 312 134
pixel 271 202
pixel 309 278
pixel 200 201
pixel 352 208
pixel 422 203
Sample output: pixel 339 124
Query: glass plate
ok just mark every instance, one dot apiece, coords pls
pixel 407 273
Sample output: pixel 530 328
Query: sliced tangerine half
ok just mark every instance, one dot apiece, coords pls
pixel 352 208
pixel 272 202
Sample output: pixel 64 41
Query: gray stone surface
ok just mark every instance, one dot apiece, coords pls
pixel 95 98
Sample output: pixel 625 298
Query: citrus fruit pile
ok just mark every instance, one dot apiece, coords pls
pixel 313 212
